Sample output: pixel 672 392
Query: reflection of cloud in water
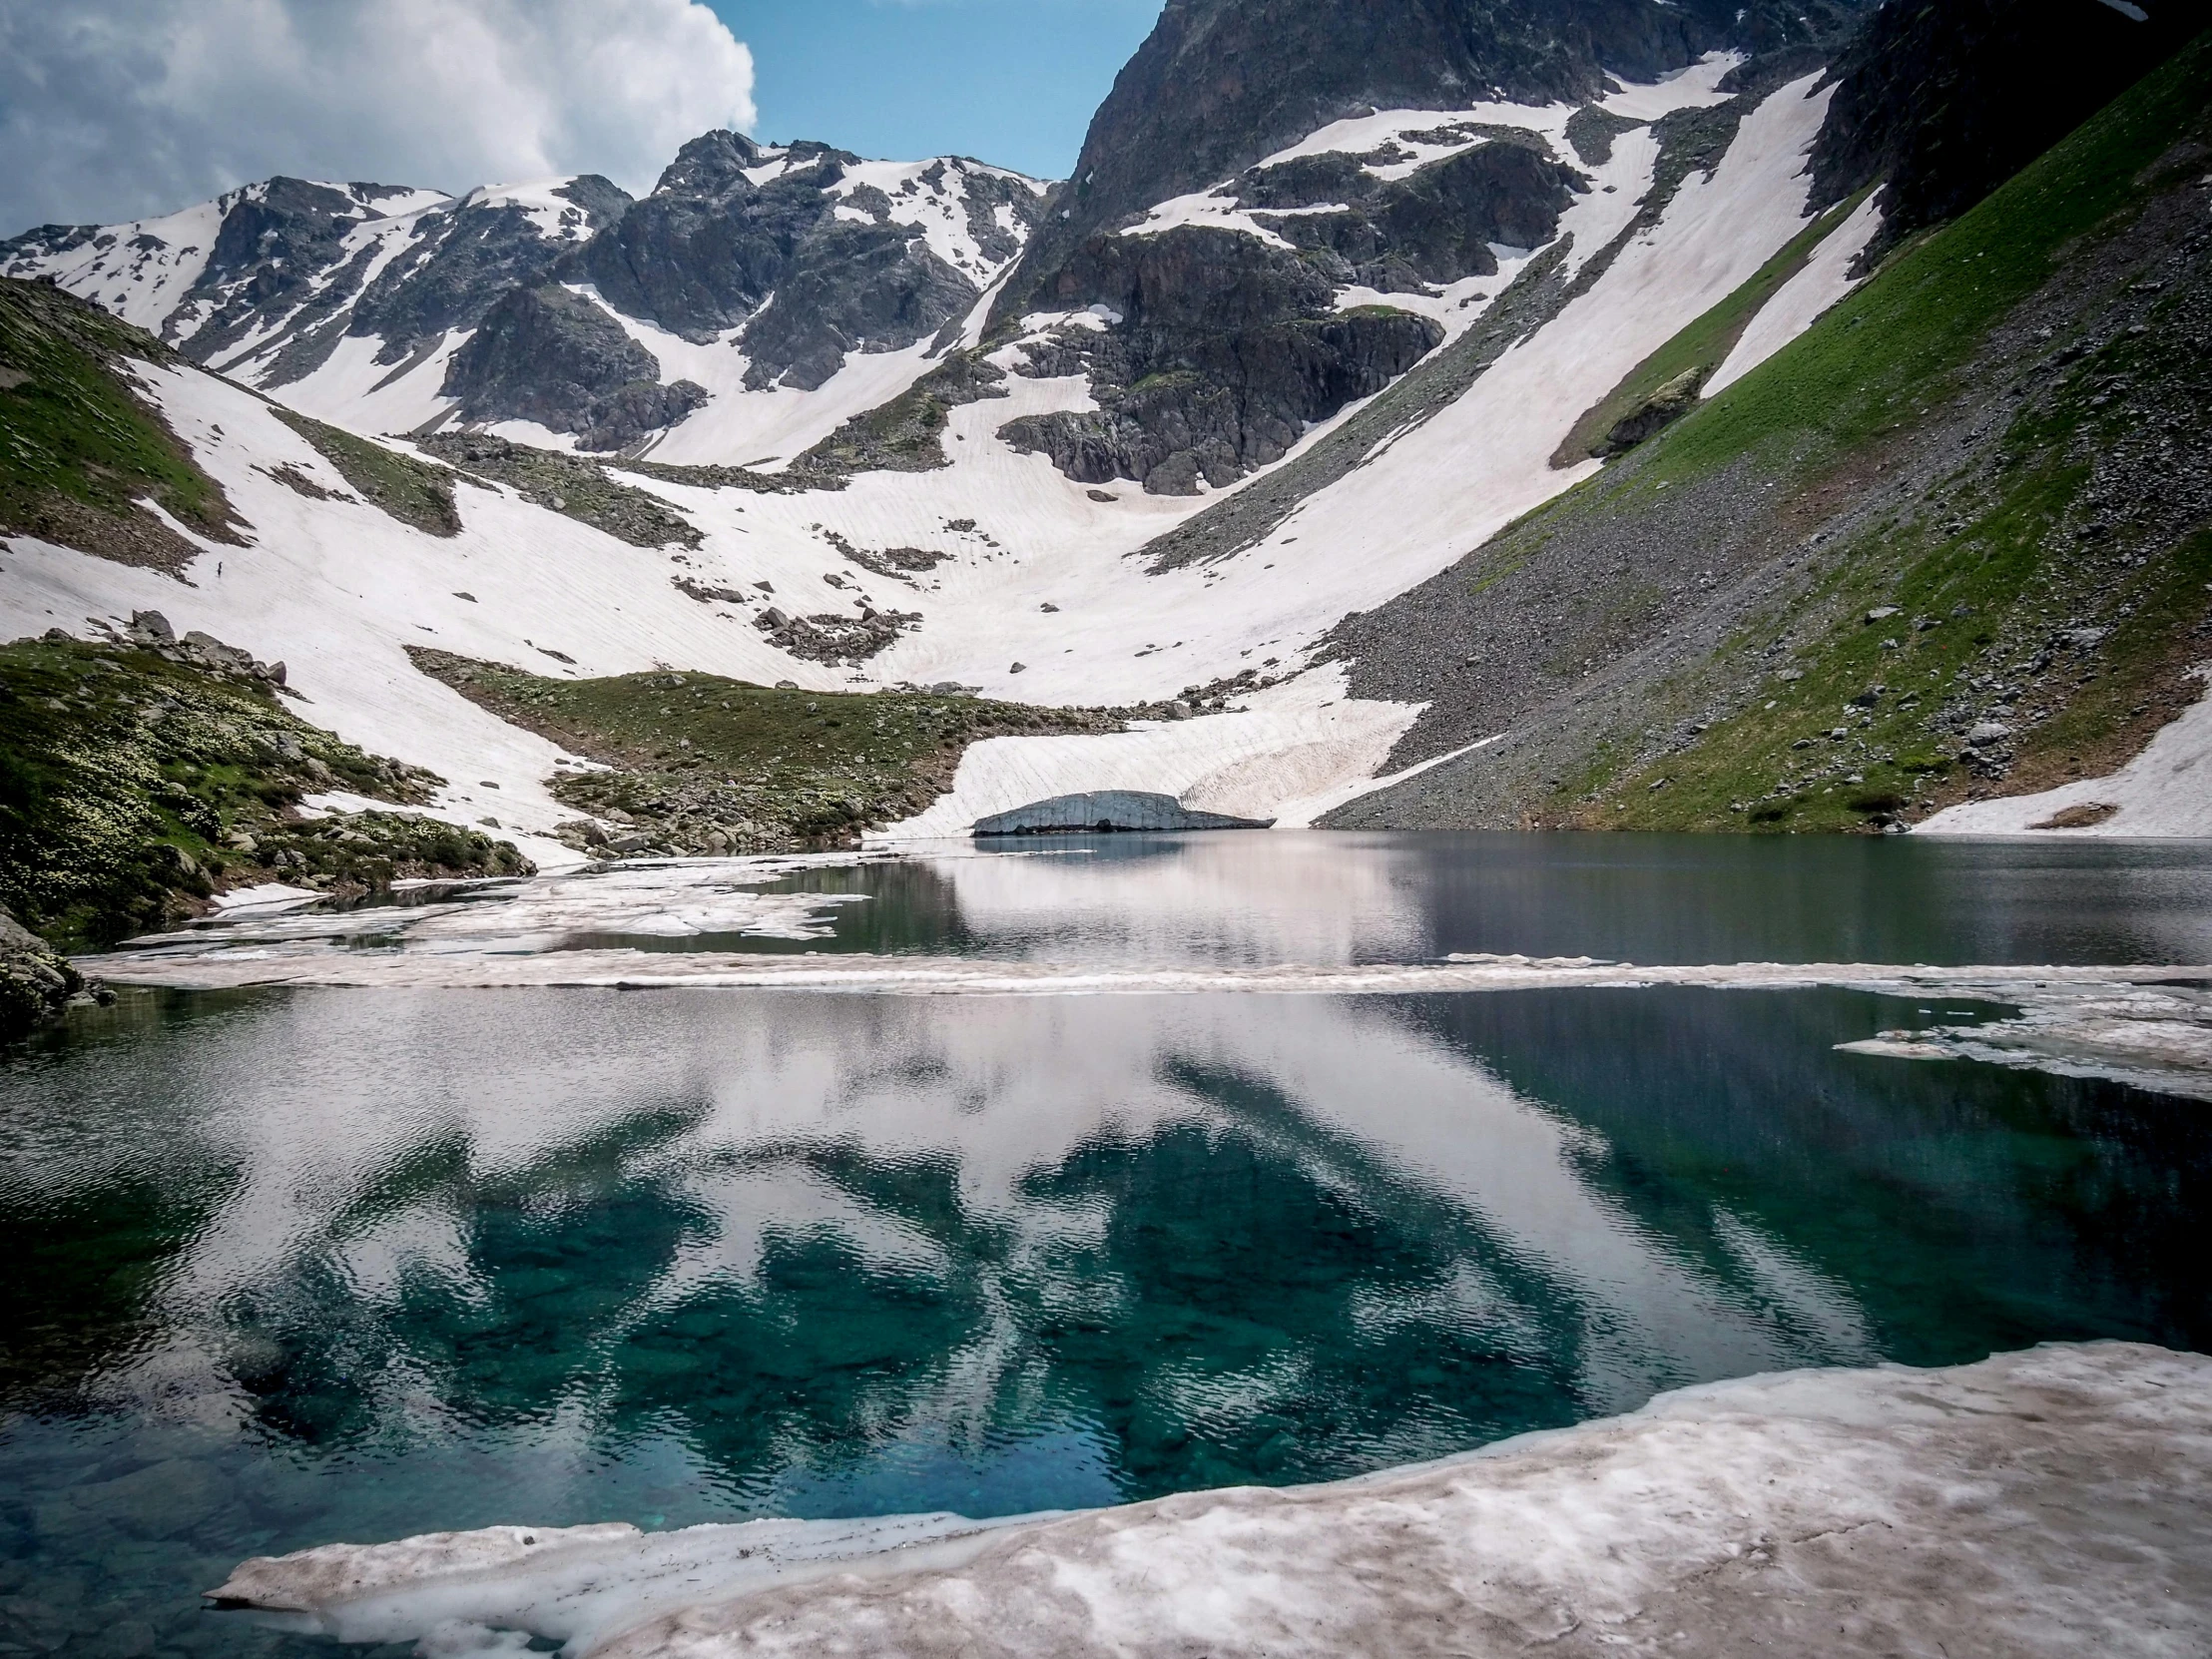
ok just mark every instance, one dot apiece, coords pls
pixel 1226 897
pixel 946 1210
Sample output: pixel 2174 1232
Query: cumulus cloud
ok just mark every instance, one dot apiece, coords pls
pixel 117 108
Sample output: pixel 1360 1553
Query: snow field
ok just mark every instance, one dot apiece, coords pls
pixel 1040 602
pixel 1799 303
pixel 142 286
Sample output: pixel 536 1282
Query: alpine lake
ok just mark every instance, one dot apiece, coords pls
pixel 286 1267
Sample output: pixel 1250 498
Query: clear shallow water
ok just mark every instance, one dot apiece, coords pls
pixel 290 1267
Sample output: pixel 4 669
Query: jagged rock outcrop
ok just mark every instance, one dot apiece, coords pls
pixel 1435 225
pixel 1225 349
pixel 704 251
pixel 851 287
pixel 460 262
pixel 738 235
pixel 546 354
pixel 36 980
pixel 1221 84
pixel 1183 396
pixel 276 238
pixel 802 255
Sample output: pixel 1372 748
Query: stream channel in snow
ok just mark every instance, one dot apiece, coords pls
pixel 358 1253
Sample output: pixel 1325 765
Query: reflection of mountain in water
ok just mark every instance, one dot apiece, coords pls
pixel 877 1253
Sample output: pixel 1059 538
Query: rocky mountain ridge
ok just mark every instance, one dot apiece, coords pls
pixel 554 304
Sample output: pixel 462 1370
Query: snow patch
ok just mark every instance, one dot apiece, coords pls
pixel 1799 303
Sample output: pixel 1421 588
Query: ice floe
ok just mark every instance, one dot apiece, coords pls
pixel 2049 1501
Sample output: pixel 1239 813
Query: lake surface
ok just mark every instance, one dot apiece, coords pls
pixel 289 1267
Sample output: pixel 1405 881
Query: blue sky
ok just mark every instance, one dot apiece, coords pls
pixel 1008 81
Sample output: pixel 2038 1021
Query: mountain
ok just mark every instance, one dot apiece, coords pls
pixel 1487 377
pixel 562 304
pixel 1943 558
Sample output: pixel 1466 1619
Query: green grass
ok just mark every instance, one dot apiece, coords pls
pixel 697 755
pixel 412 491
pixel 574 485
pixel 1702 346
pixel 129 781
pixel 1975 558
pixel 78 447
pixel 905 434
pixel 1890 349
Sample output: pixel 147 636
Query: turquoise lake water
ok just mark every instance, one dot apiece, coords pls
pixel 289 1267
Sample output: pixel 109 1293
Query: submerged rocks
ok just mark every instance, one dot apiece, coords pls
pixel 36 980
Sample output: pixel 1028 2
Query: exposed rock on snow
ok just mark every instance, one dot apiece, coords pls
pixel 2052 1502
pixel 545 355
pixel 1108 811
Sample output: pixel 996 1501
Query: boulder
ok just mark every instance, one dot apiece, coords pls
pixel 36 980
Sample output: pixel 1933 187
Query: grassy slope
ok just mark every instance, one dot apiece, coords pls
pixel 79 448
pixel 1977 566
pixel 1704 346
pixel 696 755
pixel 575 485
pixel 412 491
pixel 126 778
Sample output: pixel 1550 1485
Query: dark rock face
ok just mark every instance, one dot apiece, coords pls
pixel 36 980
pixel 709 250
pixel 1219 84
pixel 1227 350
pixel 852 287
pixel 703 253
pixel 463 262
pixel 273 242
pixel 1231 348
pixel 1435 225
pixel 546 354
pixel 1949 100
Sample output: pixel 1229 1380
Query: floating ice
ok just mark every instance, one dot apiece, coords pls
pixel 2041 1502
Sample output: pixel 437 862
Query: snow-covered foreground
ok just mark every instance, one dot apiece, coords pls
pixel 2052 1502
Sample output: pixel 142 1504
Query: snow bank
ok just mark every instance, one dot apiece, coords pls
pixel 578 1584
pixel 1799 303
pixel 1288 758
pixel 2165 790
pixel 2050 1501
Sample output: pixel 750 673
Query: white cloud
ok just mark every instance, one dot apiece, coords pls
pixel 116 109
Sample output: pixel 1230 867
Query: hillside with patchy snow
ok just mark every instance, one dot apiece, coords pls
pixel 1185 475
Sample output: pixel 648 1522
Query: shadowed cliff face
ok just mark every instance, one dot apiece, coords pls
pixel 1946 101
pixel 1227 350
pixel 1219 349
pixel 546 354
